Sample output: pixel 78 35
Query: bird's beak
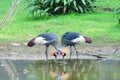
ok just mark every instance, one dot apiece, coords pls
pixel 87 39
pixel 31 42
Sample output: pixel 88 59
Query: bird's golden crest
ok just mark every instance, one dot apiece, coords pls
pixel 52 74
pixel 65 50
pixel 64 76
pixel 52 51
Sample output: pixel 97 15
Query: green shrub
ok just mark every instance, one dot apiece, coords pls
pixel 47 7
pixel 118 13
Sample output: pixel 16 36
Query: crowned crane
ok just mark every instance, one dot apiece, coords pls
pixel 46 39
pixel 72 38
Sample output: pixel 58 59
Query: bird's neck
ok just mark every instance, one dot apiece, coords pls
pixel 56 47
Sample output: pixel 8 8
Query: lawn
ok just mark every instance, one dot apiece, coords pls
pixel 102 26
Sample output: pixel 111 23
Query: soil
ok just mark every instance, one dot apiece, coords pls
pixel 17 51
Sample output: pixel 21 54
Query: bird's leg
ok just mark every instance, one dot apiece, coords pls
pixel 46 53
pixel 70 51
pixel 55 57
pixel 76 51
pixel 64 57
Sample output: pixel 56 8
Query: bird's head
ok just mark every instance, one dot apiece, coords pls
pixel 31 42
pixel 87 39
pixel 62 75
pixel 63 52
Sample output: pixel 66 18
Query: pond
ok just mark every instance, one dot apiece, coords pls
pixel 83 69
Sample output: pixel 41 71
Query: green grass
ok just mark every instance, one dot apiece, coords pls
pixel 101 26
pixel 108 3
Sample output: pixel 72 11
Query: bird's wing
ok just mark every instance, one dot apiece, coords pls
pixel 48 36
pixel 66 42
pixel 72 35
pixel 52 42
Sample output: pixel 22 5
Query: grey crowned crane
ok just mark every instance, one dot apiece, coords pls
pixel 72 38
pixel 46 39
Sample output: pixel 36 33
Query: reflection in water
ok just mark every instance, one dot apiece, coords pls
pixel 10 69
pixel 59 75
pixel 72 70
pixel 109 70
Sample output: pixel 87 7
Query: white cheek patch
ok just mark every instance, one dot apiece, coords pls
pixel 40 40
pixel 79 39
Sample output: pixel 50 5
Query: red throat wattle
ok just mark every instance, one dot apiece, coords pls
pixel 59 53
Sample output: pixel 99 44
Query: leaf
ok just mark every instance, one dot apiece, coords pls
pixel 74 2
pixel 69 2
pixel 65 2
pixel 52 2
pixel 76 8
pixel 46 10
pixel 57 8
pixel 57 1
pixel 81 9
pixel 83 1
pixel 90 2
pixel 45 2
pixel 42 0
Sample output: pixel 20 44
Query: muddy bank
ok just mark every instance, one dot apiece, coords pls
pixel 21 51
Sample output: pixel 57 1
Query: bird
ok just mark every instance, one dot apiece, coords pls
pixel 46 39
pixel 71 39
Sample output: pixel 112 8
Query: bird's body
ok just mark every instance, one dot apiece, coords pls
pixel 46 39
pixel 72 38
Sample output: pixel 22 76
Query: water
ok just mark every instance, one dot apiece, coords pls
pixel 59 70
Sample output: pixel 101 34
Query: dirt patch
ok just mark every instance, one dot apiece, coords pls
pixel 23 52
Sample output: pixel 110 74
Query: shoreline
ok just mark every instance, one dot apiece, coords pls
pixel 23 52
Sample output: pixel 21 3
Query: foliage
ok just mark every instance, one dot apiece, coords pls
pixel 118 12
pixel 100 26
pixel 46 7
